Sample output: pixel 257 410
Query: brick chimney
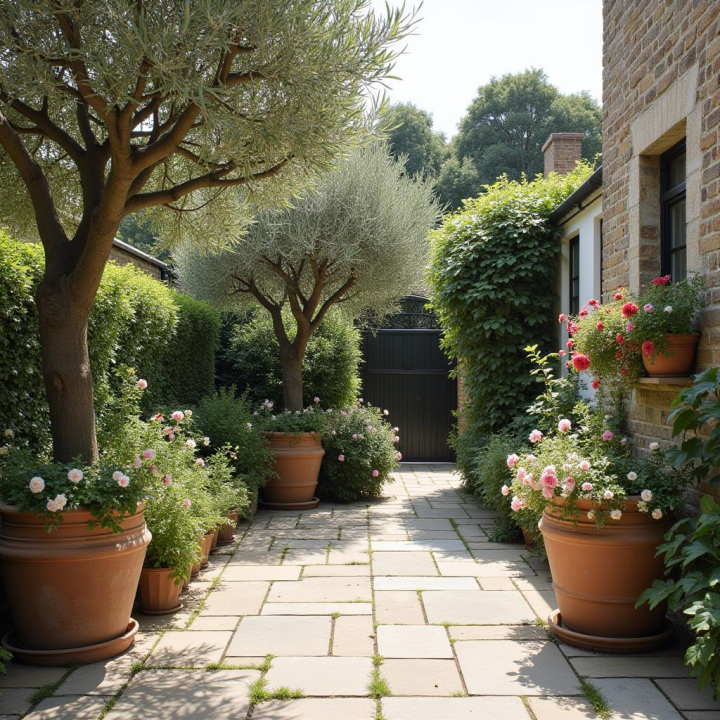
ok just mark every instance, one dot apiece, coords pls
pixel 562 151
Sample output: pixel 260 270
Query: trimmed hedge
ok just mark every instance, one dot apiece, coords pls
pixel 169 338
pixel 330 366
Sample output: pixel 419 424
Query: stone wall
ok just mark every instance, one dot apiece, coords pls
pixel 123 257
pixel 661 82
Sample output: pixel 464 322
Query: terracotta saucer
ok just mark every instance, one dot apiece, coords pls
pixel 69 656
pixel 291 506
pixel 160 612
pixel 615 645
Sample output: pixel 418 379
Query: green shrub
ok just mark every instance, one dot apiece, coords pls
pixel 169 339
pixel 360 454
pixel 228 420
pixel 330 366
pixel 494 290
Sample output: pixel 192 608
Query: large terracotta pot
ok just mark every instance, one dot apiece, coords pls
pixel 599 573
pixel 159 593
pixel 206 547
pixel 70 591
pixel 297 463
pixel 214 542
pixel 227 532
pixel 678 360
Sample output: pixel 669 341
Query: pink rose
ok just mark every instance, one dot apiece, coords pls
pixel 516 504
pixel 569 484
pixel 200 462
pixel 142 384
pixel 535 436
pixel 584 465
pixel 186 503
pixel 399 456
pixel 375 473
pixel 564 425
pixel 511 460
pixel 316 399
pixel 608 494
pixel 521 473
pixel 549 481
pixel 178 415
pixel 341 458
pixel 607 436
pixel 548 492
pixel 586 486
pixel 505 490
pixel 648 307
pixel 148 454
pixel 562 317
pixel 137 461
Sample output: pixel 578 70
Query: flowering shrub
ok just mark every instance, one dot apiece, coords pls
pixel 312 419
pixel 360 453
pixel 610 340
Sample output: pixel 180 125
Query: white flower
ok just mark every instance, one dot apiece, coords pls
pixel 608 494
pixel 60 501
pixel 4 449
pixel 386 412
pixel 9 434
pixel 632 475
pixel 75 475
pixel 591 515
pixel 188 413
pixel 642 506
pixel 668 308
pixel 249 426
pixel 206 441
pixel 117 475
pixel 191 443
pixel 654 446
pixel 616 514
pixel 37 484
pixel 646 495
pixel 657 513
pixel 52 506
pixel 123 481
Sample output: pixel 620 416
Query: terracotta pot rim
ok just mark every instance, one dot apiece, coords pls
pixel 157 570
pixel 292 434
pixel 76 513
pixel 683 337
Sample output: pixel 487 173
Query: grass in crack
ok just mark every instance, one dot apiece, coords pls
pixel 378 686
pixel 259 692
pixel 456 528
pixel 597 699
pixel 46 691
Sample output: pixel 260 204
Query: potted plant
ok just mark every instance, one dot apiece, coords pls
pixel 295 440
pixel 603 513
pixel 171 552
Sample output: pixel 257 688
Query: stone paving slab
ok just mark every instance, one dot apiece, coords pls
pixel 319 589
pixel 236 598
pixel 102 678
pixel 395 563
pixel 636 699
pixel 193 695
pixel 685 695
pixel 418 546
pixel 318 608
pixel 476 607
pixel 244 573
pixel 471 708
pixel 353 635
pixel 398 608
pixel 509 667
pixel 470 568
pixel 413 641
pixel 186 649
pixel 15 701
pixel 336 571
pixel 317 709
pixel 561 708
pixel 410 582
pixel 75 708
pixel 268 635
pixel 630 666
pixel 422 677
pixel 498 632
pixel 327 676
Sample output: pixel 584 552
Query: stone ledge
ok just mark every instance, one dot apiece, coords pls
pixel 679 381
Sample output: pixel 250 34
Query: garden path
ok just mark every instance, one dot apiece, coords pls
pixel 400 610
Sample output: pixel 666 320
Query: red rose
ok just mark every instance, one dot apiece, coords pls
pixel 583 312
pixel 648 347
pixel 570 343
pixel 620 339
pixel 580 362
pixel 572 327
pixel 617 355
pixel 600 326
pixel 623 372
pixel 629 309
pixel 661 280
pixel 593 302
pixel 562 317
pixel 595 384
pixel 617 296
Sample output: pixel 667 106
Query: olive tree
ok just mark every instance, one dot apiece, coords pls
pixel 186 111
pixel 357 240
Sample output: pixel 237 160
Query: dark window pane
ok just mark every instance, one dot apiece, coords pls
pixel 678 228
pixel 678 265
pixel 676 171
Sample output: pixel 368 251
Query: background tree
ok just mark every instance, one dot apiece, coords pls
pixel 185 111
pixel 412 135
pixel 359 241
pixel 506 126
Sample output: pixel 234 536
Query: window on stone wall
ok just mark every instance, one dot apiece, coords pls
pixel 673 229
pixel 574 287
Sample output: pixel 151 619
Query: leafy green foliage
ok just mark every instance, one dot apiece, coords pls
pixel 412 135
pixel 692 560
pixel 493 289
pixel 330 365
pixel 311 419
pixel 506 126
pixel 360 454
pixel 168 337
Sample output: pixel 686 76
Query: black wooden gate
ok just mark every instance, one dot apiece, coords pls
pixel 406 372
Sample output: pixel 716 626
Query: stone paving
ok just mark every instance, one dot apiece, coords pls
pixel 399 610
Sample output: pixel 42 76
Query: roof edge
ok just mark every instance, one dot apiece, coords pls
pixel 591 185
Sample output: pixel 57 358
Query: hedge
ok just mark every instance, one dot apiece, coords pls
pixel 138 321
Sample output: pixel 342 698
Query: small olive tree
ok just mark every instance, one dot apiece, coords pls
pixel 358 240
pixel 178 109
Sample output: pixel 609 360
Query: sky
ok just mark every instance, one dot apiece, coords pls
pixel 460 44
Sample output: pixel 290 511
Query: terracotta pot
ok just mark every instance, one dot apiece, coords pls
pixel 297 464
pixel 227 532
pixel 206 545
pixel 73 588
pixel 678 359
pixel 159 593
pixel 528 539
pixel 599 573
pixel 214 542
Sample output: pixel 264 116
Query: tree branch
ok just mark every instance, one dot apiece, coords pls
pixel 334 298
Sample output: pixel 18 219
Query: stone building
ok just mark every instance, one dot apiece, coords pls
pixel 123 253
pixel 661 169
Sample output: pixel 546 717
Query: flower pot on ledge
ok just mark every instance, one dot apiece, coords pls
pixel 598 575
pixel 678 358
pixel 70 591
pixel 297 463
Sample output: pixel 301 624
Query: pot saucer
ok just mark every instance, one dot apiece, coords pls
pixel 614 645
pixel 290 506
pixel 68 656
pixel 160 612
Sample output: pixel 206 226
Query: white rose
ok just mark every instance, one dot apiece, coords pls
pixel 75 475
pixel 632 475
pixel 616 514
pixel 591 515
pixel 37 484
pixel 52 506
pixel 191 444
pixel 117 475
pixel 60 501
pixel 188 413
pixel 4 449
pixel 9 433
pixel 123 481
pixel 646 495
pixel 657 513
pixel 206 441
pixel 654 446
pixel 668 308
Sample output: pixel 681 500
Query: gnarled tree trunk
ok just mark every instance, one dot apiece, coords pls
pixel 291 363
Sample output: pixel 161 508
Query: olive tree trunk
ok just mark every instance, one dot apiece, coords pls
pixel 291 363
